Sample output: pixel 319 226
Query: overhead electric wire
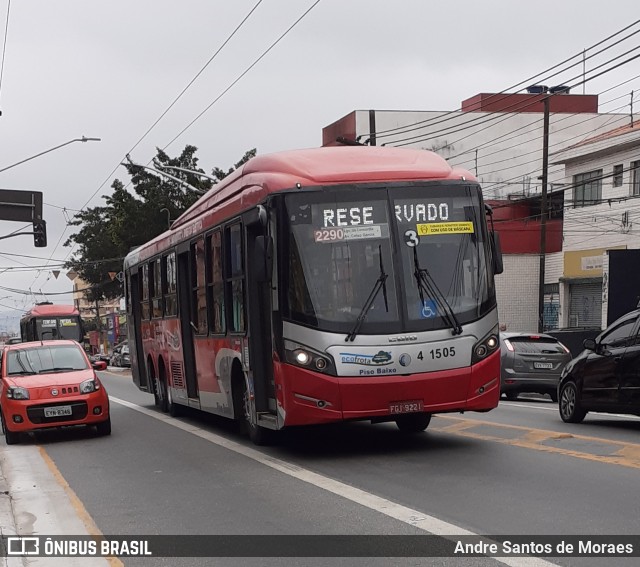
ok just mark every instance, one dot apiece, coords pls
pixel 115 169
pixel 196 76
pixel 214 101
pixel 504 94
pixel 535 125
pixel 493 116
pixel 495 185
pixel 4 44
pixel 242 74
pixel 621 118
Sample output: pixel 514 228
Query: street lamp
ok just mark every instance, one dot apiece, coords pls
pixel 83 139
pixel 559 90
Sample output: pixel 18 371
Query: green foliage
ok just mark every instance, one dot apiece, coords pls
pixel 128 219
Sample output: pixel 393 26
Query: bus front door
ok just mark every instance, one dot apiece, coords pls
pixel 259 319
pixel 138 365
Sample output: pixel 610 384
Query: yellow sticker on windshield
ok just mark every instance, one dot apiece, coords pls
pixel 444 228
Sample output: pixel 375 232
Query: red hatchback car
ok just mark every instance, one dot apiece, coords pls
pixel 49 384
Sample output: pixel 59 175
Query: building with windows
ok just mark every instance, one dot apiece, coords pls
pixel 597 273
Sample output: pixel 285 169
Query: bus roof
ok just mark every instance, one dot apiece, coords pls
pixel 51 311
pixel 270 173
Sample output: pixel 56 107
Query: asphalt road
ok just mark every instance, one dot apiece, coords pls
pixel 518 470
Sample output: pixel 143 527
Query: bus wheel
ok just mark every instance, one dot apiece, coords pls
pixel 159 391
pixel 259 435
pixel 413 423
pixel 153 383
pixel 175 410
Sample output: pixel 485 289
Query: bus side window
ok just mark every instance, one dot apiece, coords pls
pixel 234 276
pixel 144 291
pixel 215 283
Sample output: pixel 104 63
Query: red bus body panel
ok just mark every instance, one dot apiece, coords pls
pixel 367 398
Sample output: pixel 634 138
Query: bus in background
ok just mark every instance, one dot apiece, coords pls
pixel 46 321
pixel 318 286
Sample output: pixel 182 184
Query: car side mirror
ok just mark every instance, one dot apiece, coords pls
pixel 99 365
pixel 589 344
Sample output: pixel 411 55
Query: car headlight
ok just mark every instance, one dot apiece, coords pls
pixel 302 355
pixel 89 386
pixel 17 393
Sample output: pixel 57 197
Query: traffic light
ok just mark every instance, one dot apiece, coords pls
pixel 40 233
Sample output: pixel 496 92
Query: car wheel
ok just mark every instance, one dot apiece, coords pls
pixel 511 396
pixel 569 406
pixel 104 427
pixel 413 423
pixel 10 437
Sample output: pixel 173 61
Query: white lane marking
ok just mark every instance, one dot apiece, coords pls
pixel 415 518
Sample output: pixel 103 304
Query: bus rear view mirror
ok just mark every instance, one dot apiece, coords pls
pixel 263 258
pixel 496 252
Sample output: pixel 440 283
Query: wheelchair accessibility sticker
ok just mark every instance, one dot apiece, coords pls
pixel 429 309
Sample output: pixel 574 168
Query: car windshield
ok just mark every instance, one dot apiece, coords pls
pixel 45 359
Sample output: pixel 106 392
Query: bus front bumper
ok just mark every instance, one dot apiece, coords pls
pixel 307 397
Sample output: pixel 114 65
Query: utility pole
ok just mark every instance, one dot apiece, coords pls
pixel 543 213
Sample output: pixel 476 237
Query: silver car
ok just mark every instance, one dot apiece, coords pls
pixel 531 363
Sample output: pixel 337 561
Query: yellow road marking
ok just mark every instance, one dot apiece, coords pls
pixel 77 504
pixel 628 454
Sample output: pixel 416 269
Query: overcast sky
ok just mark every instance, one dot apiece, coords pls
pixel 77 68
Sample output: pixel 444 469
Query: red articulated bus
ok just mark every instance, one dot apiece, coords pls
pixel 46 321
pixel 322 285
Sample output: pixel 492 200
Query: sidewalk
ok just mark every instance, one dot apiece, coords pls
pixel 37 501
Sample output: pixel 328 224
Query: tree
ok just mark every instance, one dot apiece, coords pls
pixel 128 219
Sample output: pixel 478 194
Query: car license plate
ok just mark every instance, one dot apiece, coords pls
pixel 543 364
pixel 409 406
pixel 57 411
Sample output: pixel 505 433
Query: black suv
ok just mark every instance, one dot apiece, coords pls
pixel 606 375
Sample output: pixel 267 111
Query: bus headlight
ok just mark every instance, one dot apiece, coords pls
pixel 485 347
pixel 302 355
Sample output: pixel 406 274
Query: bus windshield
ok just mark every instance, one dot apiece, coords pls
pixel 341 242
pixel 59 328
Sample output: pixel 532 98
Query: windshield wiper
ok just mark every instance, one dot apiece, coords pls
pixel 427 284
pixel 57 369
pixel 380 284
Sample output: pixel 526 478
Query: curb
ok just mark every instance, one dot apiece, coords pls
pixel 7 518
